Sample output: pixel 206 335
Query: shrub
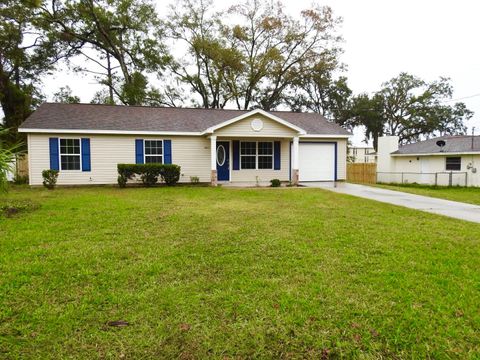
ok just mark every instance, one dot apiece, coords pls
pixel 149 173
pixel 170 174
pixel 50 178
pixel 194 180
pixel 275 183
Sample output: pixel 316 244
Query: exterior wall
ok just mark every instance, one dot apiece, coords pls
pixel 361 154
pixel 425 167
pixel 341 154
pixel 191 153
pixel 243 127
pixel 263 175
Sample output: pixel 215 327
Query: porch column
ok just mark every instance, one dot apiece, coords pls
pixel 213 158
pixel 295 165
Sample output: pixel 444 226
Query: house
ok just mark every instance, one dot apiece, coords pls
pixel 361 154
pixel 446 160
pixel 85 142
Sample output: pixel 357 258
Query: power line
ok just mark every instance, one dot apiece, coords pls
pixel 462 98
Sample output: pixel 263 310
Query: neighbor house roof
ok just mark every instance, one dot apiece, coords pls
pixel 453 144
pixel 158 119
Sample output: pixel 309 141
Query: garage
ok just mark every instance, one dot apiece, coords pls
pixel 317 161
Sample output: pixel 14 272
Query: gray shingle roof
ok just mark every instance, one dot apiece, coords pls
pixel 143 118
pixel 453 144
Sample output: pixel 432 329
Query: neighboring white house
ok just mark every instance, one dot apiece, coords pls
pixel 85 142
pixel 446 160
pixel 362 154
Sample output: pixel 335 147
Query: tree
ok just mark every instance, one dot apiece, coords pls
pixel 64 95
pixel 122 38
pixel 26 53
pixel 317 90
pixel 367 111
pixel 410 108
pixel 278 49
pixel 211 63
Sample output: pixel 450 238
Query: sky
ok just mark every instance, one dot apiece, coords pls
pixel 426 38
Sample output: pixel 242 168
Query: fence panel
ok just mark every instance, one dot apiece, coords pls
pixel 362 173
pixel 22 165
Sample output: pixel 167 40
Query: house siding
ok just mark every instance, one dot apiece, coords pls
pixel 191 153
pixel 428 165
pixel 243 127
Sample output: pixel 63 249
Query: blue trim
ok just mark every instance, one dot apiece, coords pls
pixel 138 151
pixel 276 155
pixel 86 166
pixel 236 154
pixel 167 149
pixel 54 154
pixel 335 143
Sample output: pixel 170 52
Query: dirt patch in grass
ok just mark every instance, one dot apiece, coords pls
pixel 13 209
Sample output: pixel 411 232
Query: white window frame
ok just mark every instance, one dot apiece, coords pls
pixel 257 154
pixel 60 153
pixel 145 152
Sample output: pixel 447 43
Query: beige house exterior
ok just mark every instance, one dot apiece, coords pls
pixel 252 147
pixel 361 154
pixel 456 163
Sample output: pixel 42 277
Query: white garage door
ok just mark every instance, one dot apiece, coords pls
pixel 317 162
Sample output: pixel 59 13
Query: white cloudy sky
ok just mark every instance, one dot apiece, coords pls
pixel 427 38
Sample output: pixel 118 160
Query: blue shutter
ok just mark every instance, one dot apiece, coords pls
pixel 167 151
pixel 236 155
pixel 138 151
pixel 276 155
pixel 86 154
pixel 54 162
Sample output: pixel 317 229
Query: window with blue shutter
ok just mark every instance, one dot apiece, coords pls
pixel 276 155
pixel 54 161
pixel 236 155
pixel 86 163
pixel 167 151
pixel 139 151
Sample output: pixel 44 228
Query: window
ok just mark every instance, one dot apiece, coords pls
pixel 153 151
pixel 453 163
pixel 256 155
pixel 265 155
pixel 248 155
pixel 70 154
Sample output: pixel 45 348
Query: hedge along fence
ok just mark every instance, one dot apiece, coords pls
pixel 149 173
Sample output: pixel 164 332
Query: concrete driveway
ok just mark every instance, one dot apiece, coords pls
pixel 449 208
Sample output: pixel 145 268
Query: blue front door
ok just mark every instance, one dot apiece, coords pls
pixel 223 161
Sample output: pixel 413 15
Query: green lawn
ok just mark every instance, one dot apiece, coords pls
pixel 463 194
pixel 234 273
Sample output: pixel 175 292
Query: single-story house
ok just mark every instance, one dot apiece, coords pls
pixel 85 142
pixel 446 160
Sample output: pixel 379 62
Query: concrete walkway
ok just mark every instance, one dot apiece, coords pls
pixel 449 208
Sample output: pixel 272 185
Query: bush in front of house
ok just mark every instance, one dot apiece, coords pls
pixel 275 183
pixel 149 173
pixel 50 178
pixel 170 174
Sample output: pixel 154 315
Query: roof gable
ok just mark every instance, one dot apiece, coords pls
pixel 256 112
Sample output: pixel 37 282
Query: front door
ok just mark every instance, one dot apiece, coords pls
pixel 223 163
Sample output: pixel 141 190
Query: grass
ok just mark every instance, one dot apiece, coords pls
pixel 234 273
pixel 469 195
